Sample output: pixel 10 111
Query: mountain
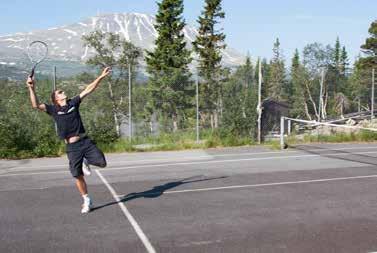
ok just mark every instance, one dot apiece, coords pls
pixel 68 52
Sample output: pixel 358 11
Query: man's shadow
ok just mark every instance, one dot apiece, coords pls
pixel 156 191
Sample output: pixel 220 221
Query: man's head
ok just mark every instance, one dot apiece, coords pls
pixel 58 97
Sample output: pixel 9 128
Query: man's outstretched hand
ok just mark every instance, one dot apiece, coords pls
pixel 30 82
pixel 106 71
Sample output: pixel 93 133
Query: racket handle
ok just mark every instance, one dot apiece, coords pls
pixel 32 73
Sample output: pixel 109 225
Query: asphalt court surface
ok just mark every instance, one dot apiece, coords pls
pixel 317 198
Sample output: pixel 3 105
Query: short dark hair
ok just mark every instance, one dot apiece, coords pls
pixel 53 99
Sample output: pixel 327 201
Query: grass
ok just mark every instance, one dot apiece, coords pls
pixel 180 140
pixel 183 140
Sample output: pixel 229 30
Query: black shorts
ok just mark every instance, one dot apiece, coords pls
pixel 84 148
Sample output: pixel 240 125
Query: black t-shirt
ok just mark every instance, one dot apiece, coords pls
pixel 67 118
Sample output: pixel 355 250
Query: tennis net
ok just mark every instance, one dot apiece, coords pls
pixel 298 131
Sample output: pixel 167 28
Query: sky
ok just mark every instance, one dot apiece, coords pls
pixel 251 26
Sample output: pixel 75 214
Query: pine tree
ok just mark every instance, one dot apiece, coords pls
pixel 246 72
pixel 266 76
pixel 344 62
pixel 298 99
pixel 169 84
pixel 337 54
pixel 277 82
pixel 208 46
pixel 240 101
pixel 370 48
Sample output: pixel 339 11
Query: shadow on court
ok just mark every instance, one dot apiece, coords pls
pixel 156 191
pixel 337 154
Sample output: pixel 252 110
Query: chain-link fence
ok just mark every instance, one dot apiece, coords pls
pixel 178 115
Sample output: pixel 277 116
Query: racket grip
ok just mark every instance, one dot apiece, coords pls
pixel 32 73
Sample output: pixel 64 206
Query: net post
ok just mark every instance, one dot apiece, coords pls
pixel 282 132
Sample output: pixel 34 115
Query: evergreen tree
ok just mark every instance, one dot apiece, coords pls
pixel 370 48
pixel 297 91
pixel 277 82
pixel 266 73
pixel 208 46
pixel 240 101
pixel 337 54
pixel 361 76
pixel 170 87
pixel 247 72
pixel 344 62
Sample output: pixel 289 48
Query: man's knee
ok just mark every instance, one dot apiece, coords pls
pixel 102 164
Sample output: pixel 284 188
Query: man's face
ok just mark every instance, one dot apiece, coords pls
pixel 60 95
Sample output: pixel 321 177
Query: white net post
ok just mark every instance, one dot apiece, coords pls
pixel 282 132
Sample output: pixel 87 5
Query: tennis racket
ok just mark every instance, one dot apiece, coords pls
pixel 37 52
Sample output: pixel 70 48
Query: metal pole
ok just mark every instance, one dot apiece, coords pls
pixel 259 107
pixel 54 80
pixel 197 108
pixel 372 99
pixel 53 89
pixel 129 100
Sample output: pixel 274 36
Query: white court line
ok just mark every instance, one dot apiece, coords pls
pixel 273 184
pixel 234 160
pixel 193 163
pixel 133 222
pixel 193 157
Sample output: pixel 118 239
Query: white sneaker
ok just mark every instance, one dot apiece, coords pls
pixel 87 206
pixel 86 168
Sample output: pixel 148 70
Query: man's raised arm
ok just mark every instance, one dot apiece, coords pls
pixel 91 87
pixel 33 97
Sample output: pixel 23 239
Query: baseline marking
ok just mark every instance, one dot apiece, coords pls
pixel 133 222
pixel 273 184
pixel 193 163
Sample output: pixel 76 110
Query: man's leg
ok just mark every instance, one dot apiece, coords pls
pixel 94 155
pixel 75 156
pixel 81 185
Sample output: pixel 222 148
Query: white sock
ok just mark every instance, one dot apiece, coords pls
pixel 86 198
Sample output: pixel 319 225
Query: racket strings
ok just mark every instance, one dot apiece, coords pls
pixel 37 51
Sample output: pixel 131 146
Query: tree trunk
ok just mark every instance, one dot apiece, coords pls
pixel 216 118
pixel 115 115
pixel 307 111
pixel 175 123
pixel 311 99
pixel 324 106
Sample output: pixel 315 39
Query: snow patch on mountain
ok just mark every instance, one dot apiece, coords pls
pixel 70 31
pixel 137 28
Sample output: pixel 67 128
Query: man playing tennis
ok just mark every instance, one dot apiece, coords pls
pixel 80 149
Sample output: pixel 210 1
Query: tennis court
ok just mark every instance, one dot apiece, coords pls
pixel 313 198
